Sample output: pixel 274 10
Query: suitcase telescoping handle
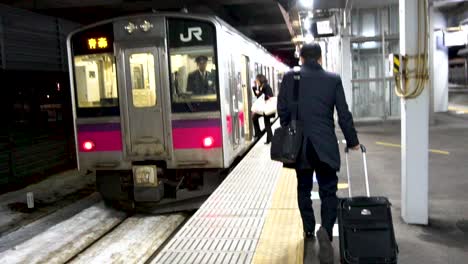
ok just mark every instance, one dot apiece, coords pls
pixel 364 159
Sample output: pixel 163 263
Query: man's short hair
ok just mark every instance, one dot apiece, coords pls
pixel 311 52
pixel 201 59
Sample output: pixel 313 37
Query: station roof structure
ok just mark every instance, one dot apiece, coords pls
pixel 273 23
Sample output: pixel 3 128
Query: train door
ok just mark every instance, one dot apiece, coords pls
pixel 234 88
pixel 246 95
pixel 144 119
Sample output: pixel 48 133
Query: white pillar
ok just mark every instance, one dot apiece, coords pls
pixel 414 127
pixel 440 69
pixel 346 71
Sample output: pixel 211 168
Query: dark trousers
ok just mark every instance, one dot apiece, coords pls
pixel 328 185
pixel 267 121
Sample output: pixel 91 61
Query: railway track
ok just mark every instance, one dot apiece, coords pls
pixel 97 234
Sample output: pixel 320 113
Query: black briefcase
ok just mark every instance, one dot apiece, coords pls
pixel 286 144
pixel 287 141
pixel 366 226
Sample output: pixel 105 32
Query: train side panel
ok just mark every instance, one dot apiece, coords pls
pixel 139 122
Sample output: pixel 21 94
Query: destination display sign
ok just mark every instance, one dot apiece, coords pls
pixel 95 40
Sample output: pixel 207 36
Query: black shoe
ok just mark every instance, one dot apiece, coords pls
pixel 309 236
pixel 268 142
pixel 310 253
pixel 326 248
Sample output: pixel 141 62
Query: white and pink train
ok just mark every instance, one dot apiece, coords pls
pixel 161 104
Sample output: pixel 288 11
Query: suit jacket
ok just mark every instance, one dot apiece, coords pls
pixel 319 93
pixel 199 85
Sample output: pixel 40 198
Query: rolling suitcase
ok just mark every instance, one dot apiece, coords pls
pixel 365 226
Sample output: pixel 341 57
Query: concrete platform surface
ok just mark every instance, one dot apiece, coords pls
pixel 445 239
pixel 253 216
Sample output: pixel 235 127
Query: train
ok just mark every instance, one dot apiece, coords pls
pixel 161 104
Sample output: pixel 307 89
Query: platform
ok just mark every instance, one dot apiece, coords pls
pixel 228 227
pixel 253 216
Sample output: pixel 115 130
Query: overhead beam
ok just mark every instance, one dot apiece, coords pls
pixel 285 48
pixel 278 43
pixel 447 3
pixel 265 27
pixel 241 2
pixel 191 5
pixel 329 4
pixel 371 3
pixel 287 20
pixel 46 4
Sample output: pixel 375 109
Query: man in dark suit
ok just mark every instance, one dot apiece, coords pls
pixel 319 93
pixel 201 81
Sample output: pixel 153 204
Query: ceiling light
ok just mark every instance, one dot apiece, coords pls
pixel 307 3
pixel 298 38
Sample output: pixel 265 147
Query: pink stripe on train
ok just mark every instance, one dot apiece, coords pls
pixel 186 134
pixel 103 140
pixel 192 138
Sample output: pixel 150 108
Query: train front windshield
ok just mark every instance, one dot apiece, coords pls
pixel 96 84
pixel 192 62
pixel 194 78
pixel 95 72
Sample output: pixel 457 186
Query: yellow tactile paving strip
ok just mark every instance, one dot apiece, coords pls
pixel 281 240
pixel 460 109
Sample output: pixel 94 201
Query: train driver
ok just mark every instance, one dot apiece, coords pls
pixel 201 81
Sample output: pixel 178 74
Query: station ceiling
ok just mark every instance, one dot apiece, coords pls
pixel 272 23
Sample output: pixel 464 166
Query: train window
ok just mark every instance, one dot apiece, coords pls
pixel 257 70
pixel 95 79
pixel 143 79
pixel 194 79
pixel 272 80
pixel 268 75
pixel 279 79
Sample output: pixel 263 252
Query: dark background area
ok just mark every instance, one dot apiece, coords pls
pixel 36 136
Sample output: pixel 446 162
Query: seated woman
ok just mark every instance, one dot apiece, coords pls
pixel 262 88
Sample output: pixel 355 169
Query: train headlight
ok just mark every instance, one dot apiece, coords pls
pixel 130 27
pixel 145 175
pixel 146 26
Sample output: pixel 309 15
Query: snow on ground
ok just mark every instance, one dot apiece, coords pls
pixel 49 195
pixel 66 239
pixel 28 231
pixel 134 241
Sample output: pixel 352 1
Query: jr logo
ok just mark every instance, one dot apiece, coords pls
pixel 195 31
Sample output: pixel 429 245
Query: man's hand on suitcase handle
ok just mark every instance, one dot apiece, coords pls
pixel 357 147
